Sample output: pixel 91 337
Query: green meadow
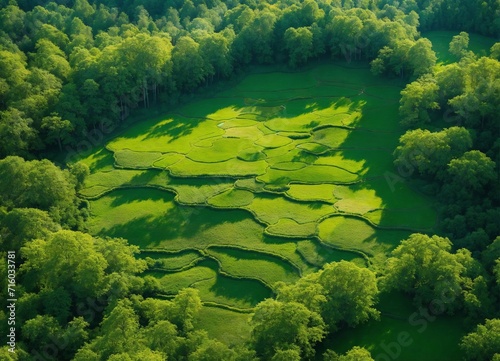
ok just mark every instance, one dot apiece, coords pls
pixel 263 182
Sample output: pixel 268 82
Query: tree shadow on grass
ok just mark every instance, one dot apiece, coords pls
pixel 247 290
pixel 180 223
pixel 176 127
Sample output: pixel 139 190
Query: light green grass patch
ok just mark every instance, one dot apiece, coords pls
pixel 312 192
pixel 214 287
pixel 250 264
pixel 330 137
pixel 338 158
pixel 232 198
pixel 235 123
pixel 127 158
pixel 252 154
pixel 200 194
pixel 250 184
pixel 273 141
pixel 231 168
pixel 289 165
pixel 172 282
pixel 112 178
pixel 172 261
pixel 314 148
pixel 222 149
pixel 313 174
pixel 168 159
pixel 356 234
pixel 356 199
pixel 252 132
pixel 289 228
pixel 215 321
pixel 269 209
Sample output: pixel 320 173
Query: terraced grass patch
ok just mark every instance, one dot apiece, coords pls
pixel 312 192
pixel 221 150
pixel 290 228
pixel 230 168
pixel 213 286
pixel 232 198
pixel 318 255
pixel 251 264
pixel 269 209
pixel 313 174
pixel 129 159
pixel 172 261
pixel 351 233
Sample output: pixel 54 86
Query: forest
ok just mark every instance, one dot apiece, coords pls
pixel 250 180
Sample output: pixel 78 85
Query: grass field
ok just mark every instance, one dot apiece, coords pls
pixel 264 182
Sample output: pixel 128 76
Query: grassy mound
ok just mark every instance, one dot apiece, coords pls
pixel 129 159
pixel 249 264
pixel 289 228
pixel 232 198
pixel 269 209
pixel 312 192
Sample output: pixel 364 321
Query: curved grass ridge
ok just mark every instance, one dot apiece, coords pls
pixel 305 157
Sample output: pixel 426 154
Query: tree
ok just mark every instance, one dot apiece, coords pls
pixel 299 44
pixel 51 58
pixel 278 325
pixel 188 64
pixel 57 129
pixel 350 293
pixel 22 225
pixel 421 57
pixel 483 343
pixel 185 306
pixel 459 45
pixel 428 153
pixel 119 332
pixel 69 260
pixel 345 33
pixel 425 267
pixel 495 51
pixel 354 354
pixel 292 354
pixel 471 172
pixel 213 350
pixel 16 133
pixel 417 99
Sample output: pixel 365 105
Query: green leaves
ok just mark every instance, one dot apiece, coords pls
pixel 278 325
pixel 425 267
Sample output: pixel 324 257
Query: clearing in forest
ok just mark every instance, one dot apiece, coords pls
pixel 264 182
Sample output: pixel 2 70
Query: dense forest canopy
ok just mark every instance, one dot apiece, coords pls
pixel 72 72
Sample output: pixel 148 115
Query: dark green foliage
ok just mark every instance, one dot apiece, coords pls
pixel 484 343
pixel 41 185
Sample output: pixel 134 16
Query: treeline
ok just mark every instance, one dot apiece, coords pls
pixel 67 69
pixel 457 155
